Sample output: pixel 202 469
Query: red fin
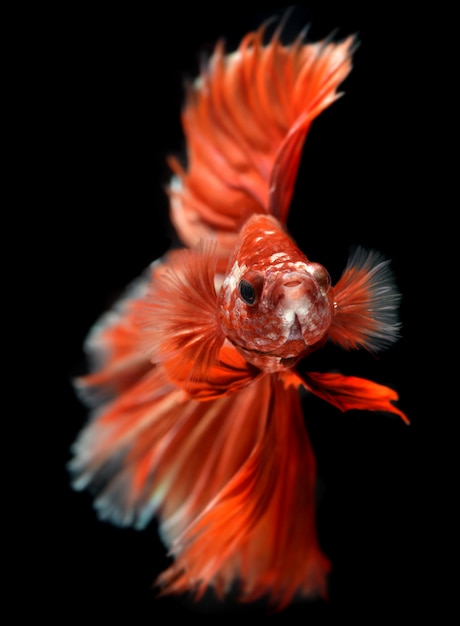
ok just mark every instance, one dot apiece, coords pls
pixel 114 347
pixel 259 530
pixel 366 304
pixel 245 121
pixel 112 456
pixel 179 319
pixel 156 451
pixel 229 373
pixel 350 392
pixel 323 67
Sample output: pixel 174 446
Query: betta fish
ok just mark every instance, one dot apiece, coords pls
pixel 195 374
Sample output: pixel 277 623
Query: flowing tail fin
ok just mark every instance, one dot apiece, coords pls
pixel 135 443
pixel 259 530
pixel 113 347
pixel 232 481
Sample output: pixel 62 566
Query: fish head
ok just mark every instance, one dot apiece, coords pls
pixel 275 306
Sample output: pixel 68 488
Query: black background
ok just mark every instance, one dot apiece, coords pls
pixel 111 89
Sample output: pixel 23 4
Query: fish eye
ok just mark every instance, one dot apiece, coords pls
pixel 322 277
pixel 247 292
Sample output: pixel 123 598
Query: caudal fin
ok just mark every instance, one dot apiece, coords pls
pixel 259 530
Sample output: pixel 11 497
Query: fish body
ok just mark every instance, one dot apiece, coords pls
pixel 195 374
pixel 272 285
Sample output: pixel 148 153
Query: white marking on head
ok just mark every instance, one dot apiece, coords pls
pixel 234 276
pixel 278 255
pixel 301 267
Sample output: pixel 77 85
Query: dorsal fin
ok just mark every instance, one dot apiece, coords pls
pixel 245 121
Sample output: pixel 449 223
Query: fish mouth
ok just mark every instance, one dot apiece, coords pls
pixel 304 311
pixel 292 282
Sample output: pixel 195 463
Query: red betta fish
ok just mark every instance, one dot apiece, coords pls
pixel 195 374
